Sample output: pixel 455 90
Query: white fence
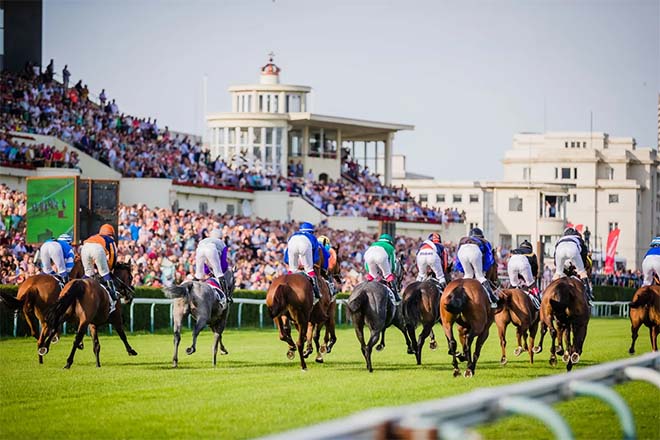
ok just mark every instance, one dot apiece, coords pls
pixel 453 417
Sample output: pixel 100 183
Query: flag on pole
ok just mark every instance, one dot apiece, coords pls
pixel 612 242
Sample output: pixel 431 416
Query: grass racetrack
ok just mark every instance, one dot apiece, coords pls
pixel 255 390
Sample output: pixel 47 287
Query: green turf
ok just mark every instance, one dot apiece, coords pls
pixel 256 390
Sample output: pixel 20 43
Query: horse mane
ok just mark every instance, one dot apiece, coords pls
pixel 123 266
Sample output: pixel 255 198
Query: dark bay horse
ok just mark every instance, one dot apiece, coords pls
pixel 465 302
pixel 519 310
pixel 198 298
pixel 645 309
pixel 420 304
pixel 35 297
pixel 565 313
pixel 88 301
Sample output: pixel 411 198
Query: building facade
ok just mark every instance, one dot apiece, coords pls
pixel 552 179
pixel 271 126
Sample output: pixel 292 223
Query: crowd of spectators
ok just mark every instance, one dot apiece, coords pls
pixel 30 156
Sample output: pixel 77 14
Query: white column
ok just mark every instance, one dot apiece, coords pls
pixel 282 103
pixel 255 102
pixel 234 103
pixel 284 158
pixel 303 102
pixel 387 158
pixel 305 142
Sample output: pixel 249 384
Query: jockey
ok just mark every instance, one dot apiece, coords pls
pixel 523 264
pixel 60 253
pixel 571 248
pixel 302 248
pixel 432 254
pixel 100 250
pixel 474 257
pixel 332 262
pixel 651 263
pixel 380 257
pixel 211 252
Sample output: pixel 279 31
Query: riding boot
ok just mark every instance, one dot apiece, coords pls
pixel 107 282
pixel 491 295
pixel 533 292
pixel 589 295
pixel 392 286
pixel 315 288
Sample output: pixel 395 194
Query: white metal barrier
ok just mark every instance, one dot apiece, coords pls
pixel 452 418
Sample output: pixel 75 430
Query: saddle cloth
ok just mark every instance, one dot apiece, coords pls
pixel 390 293
pixel 59 280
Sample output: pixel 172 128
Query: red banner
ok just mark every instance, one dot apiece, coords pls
pixel 612 242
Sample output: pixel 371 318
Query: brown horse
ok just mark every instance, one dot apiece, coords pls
pixel 465 302
pixel 35 297
pixel 517 309
pixel 645 309
pixel 564 311
pixel 420 303
pixel 90 303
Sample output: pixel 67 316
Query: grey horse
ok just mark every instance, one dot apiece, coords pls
pixel 199 298
pixel 370 303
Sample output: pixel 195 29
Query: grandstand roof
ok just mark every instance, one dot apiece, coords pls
pixel 355 129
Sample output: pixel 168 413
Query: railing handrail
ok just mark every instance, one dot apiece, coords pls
pixel 476 407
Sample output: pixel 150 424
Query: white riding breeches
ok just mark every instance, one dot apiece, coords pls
pixel 428 258
pixel 519 266
pixel 93 255
pixel 51 253
pixel 378 261
pixel 471 259
pixel 650 266
pixel 565 252
pixel 300 254
pixel 208 254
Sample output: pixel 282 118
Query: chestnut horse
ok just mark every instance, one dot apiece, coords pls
pixel 465 302
pixel 289 298
pixel 645 309
pixel 35 296
pixel 420 303
pixel 519 310
pixel 90 303
pixel 565 311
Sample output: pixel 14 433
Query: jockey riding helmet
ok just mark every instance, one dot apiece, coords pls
pixel 325 241
pixel 435 237
pixel 216 233
pixel 65 237
pixel 107 229
pixel 476 232
pixel 570 231
pixel 386 237
pixel 527 245
pixel 655 242
pixel 307 227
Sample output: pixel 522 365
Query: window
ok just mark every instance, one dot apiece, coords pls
pixel 556 173
pixel 203 207
pixel 584 144
pixel 566 144
pixel 231 210
pixel 474 198
pixel 574 198
pixel 565 173
pixel 612 226
pixel 613 198
pixel 610 173
pixel 474 225
pixel 574 173
pixel 440 198
pixel 527 173
pixel 423 198
pixel 515 204
pixel 457 198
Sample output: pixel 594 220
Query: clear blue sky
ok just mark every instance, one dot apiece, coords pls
pixel 468 74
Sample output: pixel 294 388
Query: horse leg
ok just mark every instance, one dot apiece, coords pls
pixel 317 337
pixel 358 324
pixel 653 333
pixel 42 338
pixel 302 327
pixel 285 336
pixel 462 356
pixel 381 345
pixel 330 335
pixel 544 330
pixel 410 331
pixel 199 326
pixel 471 361
pixel 579 335
pixel 308 338
pixel 553 355
pixel 521 334
pixel 375 333
pixel 79 337
pixel 451 342
pixel 216 343
pixel 433 345
pixel 177 341
pixel 97 347
pixel 28 319
pixel 119 326
pixel 634 329
pixel 426 330
pixel 477 348
pixel 221 328
pixel 568 350
pixel 532 334
pixel 501 332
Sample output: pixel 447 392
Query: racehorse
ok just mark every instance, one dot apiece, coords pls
pixel 370 303
pixel 289 298
pixel 90 303
pixel 420 303
pixel 645 309
pixel 519 310
pixel 35 296
pixel 465 303
pixel 199 299
pixel 564 311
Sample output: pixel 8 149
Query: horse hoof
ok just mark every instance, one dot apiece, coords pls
pixel 380 347
pixel 55 339
pixel 457 372
pixel 223 351
pixel 81 346
pixel 537 349
pixel 461 357
pixel 67 366
pixel 575 358
pixel 565 357
pixel 132 352
pixel 503 361
pixel 517 351
pixel 175 364
pixel 559 351
pixel 290 355
pixel 433 345
pixel 631 351
pixel 553 361
pixel 410 351
pixel 304 370
pixel 306 354
pixel 42 351
pixel 319 360
pixel 569 366
pixel 468 374
pixel 190 350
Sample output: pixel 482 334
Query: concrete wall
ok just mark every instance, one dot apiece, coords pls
pixel 276 205
pixel 16 178
pixel 151 192
pixel 302 211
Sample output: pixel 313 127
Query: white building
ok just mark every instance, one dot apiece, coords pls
pixel 271 125
pixel 550 179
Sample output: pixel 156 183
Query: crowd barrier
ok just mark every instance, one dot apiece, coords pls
pixel 452 418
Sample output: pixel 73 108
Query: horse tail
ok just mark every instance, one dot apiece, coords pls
pixel 560 304
pixel 642 298
pixel 71 293
pixel 457 299
pixel 411 305
pixel 355 302
pixel 279 303
pixel 181 291
pixel 11 302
